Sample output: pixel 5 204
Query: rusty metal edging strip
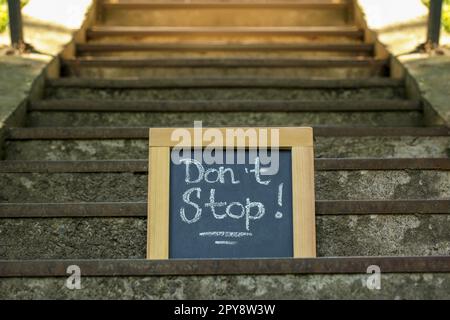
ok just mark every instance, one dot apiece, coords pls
pixel 73 210
pixel 224 83
pixel 117 31
pixel 124 47
pixel 383 164
pixel 379 207
pixel 88 133
pixel 323 131
pixel 332 265
pixel 64 133
pixel 84 166
pixel 223 5
pixel 141 166
pixel 139 209
pixel 222 63
pixel 80 105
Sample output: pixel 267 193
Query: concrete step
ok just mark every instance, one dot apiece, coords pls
pixel 117 67
pixel 344 184
pixel 356 94
pixel 171 37
pixel 325 147
pixel 121 62
pixel 403 278
pixel 89 133
pixel 118 230
pixel 224 14
pixel 229 35
pixel 227 83
pixel 164 119
pixel 125 238
pixel 224 35
pixel 224 50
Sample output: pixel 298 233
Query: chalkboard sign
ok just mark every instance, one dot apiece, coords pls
pixel 230 199
pixel 230 211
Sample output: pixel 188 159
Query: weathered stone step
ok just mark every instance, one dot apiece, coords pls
pixel 325 147
pixel 344 228
pixel 350 72
pixel 322 33
pixel 225 14
pixel 129 186
pixel 196 5
pixel 338 67
pixel 122 238
pixel 225 35
pixel 164 119
pixel 269 94
pixel 90 48
pixel 216 54
pixel 224 50
pixel 89 133
pixel 224 63
pixel 408 286
pixel 127 4
pixel 125 238
pixel 233 105
pixel 251 36
pixel 403 278
pixel 229 83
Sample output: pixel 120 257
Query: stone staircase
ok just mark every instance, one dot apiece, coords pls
pixel 74 182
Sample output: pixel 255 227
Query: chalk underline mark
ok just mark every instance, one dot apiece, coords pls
pixel 227 234
pixel 230 243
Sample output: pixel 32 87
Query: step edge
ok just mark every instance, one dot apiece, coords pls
pixel 212 82
pixel 114 47
pixel 111 105
pixel 139 209
pixel 213 5
pixel 139 267
pixel 80 133
pixel 141 166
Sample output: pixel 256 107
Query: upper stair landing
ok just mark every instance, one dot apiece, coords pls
pixel 229 13
pixel 147 39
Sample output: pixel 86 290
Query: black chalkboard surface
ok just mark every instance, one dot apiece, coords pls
pixel 230 210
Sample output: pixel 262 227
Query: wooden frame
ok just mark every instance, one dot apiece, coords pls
pixel 297 139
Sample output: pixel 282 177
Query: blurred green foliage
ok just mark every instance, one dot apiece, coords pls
pixel 4 13
pixel 445 13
